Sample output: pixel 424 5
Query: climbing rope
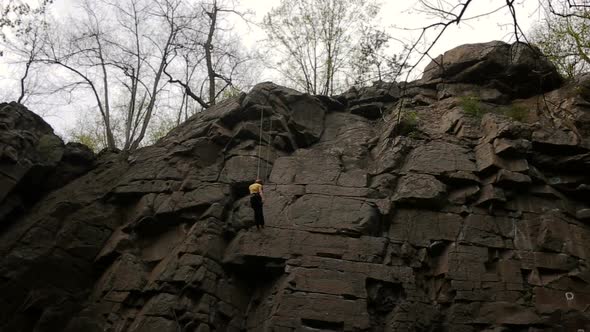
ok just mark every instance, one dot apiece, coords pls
pixel 176 319
pixel 260 143
pixel 266 175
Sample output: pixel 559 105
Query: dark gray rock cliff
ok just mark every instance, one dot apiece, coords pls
pixel 468 211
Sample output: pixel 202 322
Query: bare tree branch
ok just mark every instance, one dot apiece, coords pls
pixel 187 90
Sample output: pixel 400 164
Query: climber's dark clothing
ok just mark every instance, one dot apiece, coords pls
pixel 256 204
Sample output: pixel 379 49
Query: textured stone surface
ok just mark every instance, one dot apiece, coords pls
pixel 33 160
pixel 458 225
pixel 517 70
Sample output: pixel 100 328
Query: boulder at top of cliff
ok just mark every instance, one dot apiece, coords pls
pixel 379 92
pixel 519 70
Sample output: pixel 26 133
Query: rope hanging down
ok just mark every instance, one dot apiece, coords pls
pixel 260 143
pixel 266 175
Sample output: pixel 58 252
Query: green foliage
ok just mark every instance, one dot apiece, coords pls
pixel 471 105
pixel 229 93
pixel 373 59
pixel 87 140
pixel 88 130
pixel 16 16
pixel 160 128
pixel 515 112
pixel 409 124
pixel 582 90
pixel 565 40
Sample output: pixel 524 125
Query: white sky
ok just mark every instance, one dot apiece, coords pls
pixel 397 15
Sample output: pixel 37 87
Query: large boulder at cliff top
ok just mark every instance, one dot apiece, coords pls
pixel 519 70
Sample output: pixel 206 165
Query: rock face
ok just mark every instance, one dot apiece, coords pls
pixel 33 160
pixel 518 70
pixel 455 223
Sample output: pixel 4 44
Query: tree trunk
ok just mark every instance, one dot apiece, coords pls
pixel 108 130
pixel 208 53
pixel 134 84
pixel 152 103
pixel 22 82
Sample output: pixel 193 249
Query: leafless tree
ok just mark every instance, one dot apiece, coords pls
pixel 25 46
pixel 314 39
pixel 170 12
pixel 113 48
pixel 21 29
pixel 211 44
pixel 373 60
pixel 80 53
pixel 456 12
pixel 189 69
pixel 131 59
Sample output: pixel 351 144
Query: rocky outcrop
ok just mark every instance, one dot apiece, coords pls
pixel 33 160
pixel 445 221
pixel 493 71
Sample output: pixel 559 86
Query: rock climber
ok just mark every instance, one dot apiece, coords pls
pixel 256 202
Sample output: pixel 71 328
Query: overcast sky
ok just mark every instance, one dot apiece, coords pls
pixel 400 17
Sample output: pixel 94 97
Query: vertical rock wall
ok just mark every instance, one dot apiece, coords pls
pixel 443 221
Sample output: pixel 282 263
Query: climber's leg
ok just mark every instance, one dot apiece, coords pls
pixel 256 203
pixel 261 217
pixel 257 217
